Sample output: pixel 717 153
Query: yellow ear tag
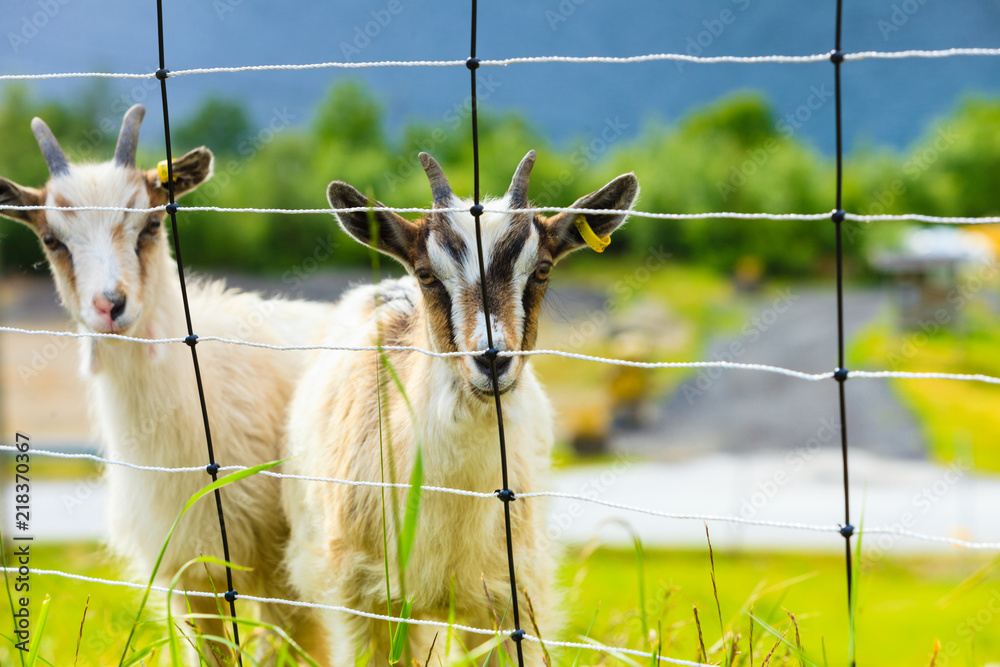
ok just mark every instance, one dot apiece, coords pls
pixel 596 243
pixel 163 171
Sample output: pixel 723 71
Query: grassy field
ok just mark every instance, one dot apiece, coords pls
pixel 905 606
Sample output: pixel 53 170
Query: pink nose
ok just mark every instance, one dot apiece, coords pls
pixel 109 306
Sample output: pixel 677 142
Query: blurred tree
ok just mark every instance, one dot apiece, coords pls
pixel 219 123
pixel 349 116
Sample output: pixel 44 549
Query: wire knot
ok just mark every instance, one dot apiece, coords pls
pixel 476 210
pixel 847 530
pixel 191 340
pixel 837 57
pixel 491 353
pixel 506 495
pixel 517 635
pixel 171 208
pixel 212 469
pixel 230 596
pixel 840 375
pixel 472 63
pixel 162 73
pixel 838 215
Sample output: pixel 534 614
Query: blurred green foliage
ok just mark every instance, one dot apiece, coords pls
pixel 733 155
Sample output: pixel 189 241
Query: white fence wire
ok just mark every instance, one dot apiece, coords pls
pixel 503 62
pixel 722 518
pixel 724 215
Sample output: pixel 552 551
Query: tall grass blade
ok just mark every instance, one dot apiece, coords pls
pixel 10 598
pixel 36 641
pixel 79 636
pixel 173 641
pixel 400 634
pixel 792 648
pixel 853 602
pixel 412 512
pixel 641 575
pixel 585 637
pixel 613 652
pixel 703 654
pixel 715 593
pixel 198 495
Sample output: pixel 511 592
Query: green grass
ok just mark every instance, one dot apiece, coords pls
pixel 959 420
pixel 905 605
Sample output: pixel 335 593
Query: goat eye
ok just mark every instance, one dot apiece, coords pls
pixel 425 276
pixel 152 226
pixel 52 243
pixel 543 270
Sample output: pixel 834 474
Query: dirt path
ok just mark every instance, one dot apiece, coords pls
pixel 741 411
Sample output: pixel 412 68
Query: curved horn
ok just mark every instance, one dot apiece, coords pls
pixel 128 138
pixel 518 190
pixel 440 188
pixel 51 151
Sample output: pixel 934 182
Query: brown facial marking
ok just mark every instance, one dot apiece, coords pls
pixel 62 202
pixel 448 238
pixel 118 238
pixel 438 304
pixel 62 262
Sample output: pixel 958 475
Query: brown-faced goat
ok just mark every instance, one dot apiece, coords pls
pixel 335 554
pixel 115 274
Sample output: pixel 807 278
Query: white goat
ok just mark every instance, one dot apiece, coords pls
pixel 114 274
pixel 335 554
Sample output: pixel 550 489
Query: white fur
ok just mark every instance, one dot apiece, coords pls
pixel 335 555
pixel 144 398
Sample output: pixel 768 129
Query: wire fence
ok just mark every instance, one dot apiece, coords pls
pixel 505 494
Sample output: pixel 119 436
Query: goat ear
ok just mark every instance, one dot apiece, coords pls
pixel 190 170
pixel 395 235
pixel 619 194
pixel 12 194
